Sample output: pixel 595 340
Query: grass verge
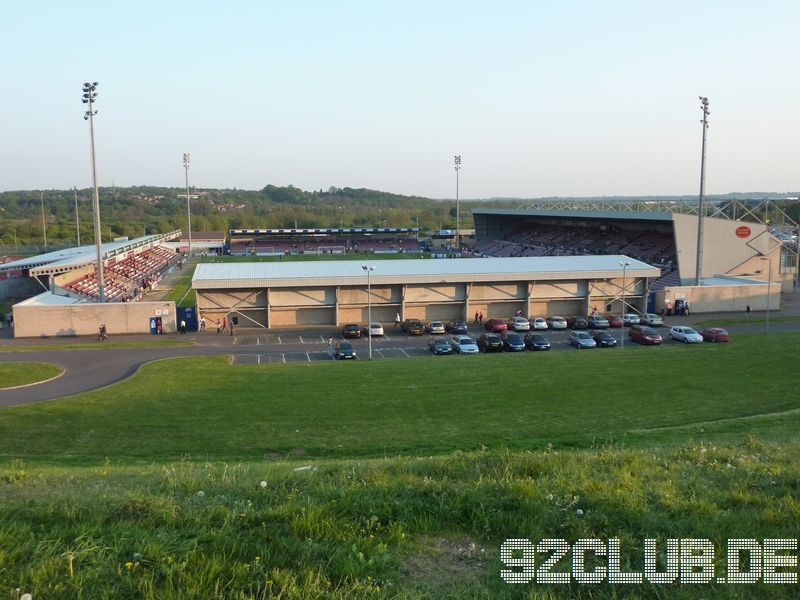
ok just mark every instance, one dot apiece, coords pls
pixel 24 373
pixel 759 320
pixel 92 346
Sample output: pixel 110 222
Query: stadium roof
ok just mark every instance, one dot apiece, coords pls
pixel 577 214
pixel 65 260
pixel 351 272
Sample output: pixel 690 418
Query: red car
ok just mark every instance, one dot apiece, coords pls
pixel 644 335
pixel 496 325
pixel 614 320
pixel 715 334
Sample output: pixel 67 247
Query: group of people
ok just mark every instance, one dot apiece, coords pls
pixel 681 309
pixel 479 318
pixel 102 334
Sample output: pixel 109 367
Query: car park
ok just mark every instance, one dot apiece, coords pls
pixel 456 327
pixel 556 322
pixel 351 330
pixel 374 329
pixel 495 325
pixel 603 339
pixel 536 341
pixel 684 334
pixel 464 344
pixel 413 327
pixel 440 346
pixel 434 327
pixel 598 322
pixel 644 335
pixel 343 350
pixel 629 319
pixel 490 342
pixel 715 334
pixel 577 322
pixel 519 324
pixel 614 320
pixel 538 323
pixel 581 340
pixel 513 342
pixel 652 319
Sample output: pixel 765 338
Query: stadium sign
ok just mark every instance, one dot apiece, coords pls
pixel 743 232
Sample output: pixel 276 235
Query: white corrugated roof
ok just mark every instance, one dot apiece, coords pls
pixel 212 274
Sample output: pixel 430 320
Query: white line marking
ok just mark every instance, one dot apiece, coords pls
pixel 308 357
pixel 283 356
pixel 258 341
pixel 279 340
pixel 301 339
pixel 403 351
pixel 378 350
pixel 259 358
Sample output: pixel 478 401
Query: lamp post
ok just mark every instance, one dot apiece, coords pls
pixel 624 264
pixel 458 206
pixel 44 223
pixel 187 158
pixel 89 97
pixel 769 288
pixel 701 209
pixel 369 269
pixel 77 218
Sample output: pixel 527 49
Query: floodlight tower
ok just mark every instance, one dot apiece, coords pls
pixel 187 158
pixel 89 97
pixel 458 206
pixel 701 209
pixel 77 218
pixel 44 222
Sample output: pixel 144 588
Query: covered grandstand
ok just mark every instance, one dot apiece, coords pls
pixel 276 242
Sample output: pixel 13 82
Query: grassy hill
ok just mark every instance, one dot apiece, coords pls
pixel 398 478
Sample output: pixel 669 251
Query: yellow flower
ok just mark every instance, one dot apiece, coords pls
pixel 129 565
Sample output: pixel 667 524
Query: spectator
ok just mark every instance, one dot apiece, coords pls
pixel 747 310
pixel 183 326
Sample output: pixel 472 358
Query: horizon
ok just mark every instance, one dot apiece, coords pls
pixel 572 101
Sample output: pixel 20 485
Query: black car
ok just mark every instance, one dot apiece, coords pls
pixel 343 351
pixel 603 339
pixel 440 346
pixel 457 327
pixel 578 322
pixel 490 342
pixel 413 327
pixel 536 341
pixel 513 342
pixel 351 330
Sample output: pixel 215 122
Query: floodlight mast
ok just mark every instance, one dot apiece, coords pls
pixel 89 97
pixel 187 158
pixel 458 206
pixel 701 208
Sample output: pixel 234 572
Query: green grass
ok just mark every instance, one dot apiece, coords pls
pixel 181 293
pixel 211 410
pixel 24 373
pixel 398 478
pixel 93 345
pixel 759 320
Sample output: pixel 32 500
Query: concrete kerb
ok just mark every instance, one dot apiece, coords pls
pixel 25 385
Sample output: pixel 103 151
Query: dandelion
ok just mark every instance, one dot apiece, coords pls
pixel 579 512
pixel 200 494
pixel 263 484
pixel 258 558
pixel 129 565
pixel 26 597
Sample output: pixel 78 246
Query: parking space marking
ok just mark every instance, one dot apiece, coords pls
pixel 283 356
pixel 279 339
pixel 301 339
pixel 403 351
pixel 308 357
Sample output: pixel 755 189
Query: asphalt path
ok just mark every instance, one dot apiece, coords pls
pixel 89 369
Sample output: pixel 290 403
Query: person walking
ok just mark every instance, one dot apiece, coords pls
pixel 231 327
pixel 183 326
pixel 202 323
pixel 219 326
pixel 685 309
pixel 476 319
pixel 397 320
pixel 224 324
pixel 747 310
pixel 480 319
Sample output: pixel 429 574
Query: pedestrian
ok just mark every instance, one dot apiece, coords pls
pixel 594 311
pixel 476 319
pixel 219 326
pixel 224 324
pixel 183 326
pixel 685 309
pixel 480 318
pixel 397 320
pixel 747 310
pixel 202 323
pixel 231 326
pixel 101 337
pixel 330 347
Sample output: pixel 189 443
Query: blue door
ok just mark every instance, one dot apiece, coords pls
pixel 190 316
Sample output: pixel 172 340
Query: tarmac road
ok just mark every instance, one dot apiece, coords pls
pixel 85 370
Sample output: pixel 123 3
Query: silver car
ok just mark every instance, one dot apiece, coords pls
pixel 581 340
pixel 652 319
pixel 687 335
pixel 464 344
pixel 556 322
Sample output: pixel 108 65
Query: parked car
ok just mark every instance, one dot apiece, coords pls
pixel 490 342
pixel 614 320
pixel 519 324
pixel 652 319
pixel 581 340
pixel 556 322
pixel 456 327
pixel 374 329
pixel 629 319
pixel 577 322
pixel 343 351
pixel 536 341
pixel 495 325
pixel 538 323
pixel 351 330
pixel 644 335
pixel 513 342
pixel 434 327
pixel 603 339
pixel 715 334
pixel 687 335
pixel 440 346
pixel 413 327
pixel 464 344
pixel 598 322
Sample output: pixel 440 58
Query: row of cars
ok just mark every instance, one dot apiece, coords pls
pixel 508 341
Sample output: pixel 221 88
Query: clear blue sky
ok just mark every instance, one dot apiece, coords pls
pixel 539 98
